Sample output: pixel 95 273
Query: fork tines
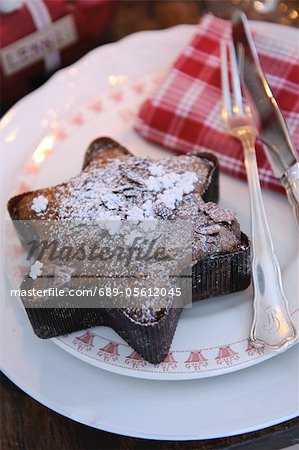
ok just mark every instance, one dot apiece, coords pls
pixel 235 106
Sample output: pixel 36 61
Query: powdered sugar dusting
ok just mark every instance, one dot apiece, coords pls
pixel 141 189
pixel 156 170
pixel 36 270
pixel 39 204
pixel 130 187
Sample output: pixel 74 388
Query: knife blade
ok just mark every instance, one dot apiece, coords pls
pixel 274 133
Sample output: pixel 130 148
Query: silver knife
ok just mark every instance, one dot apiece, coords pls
pixel 273 129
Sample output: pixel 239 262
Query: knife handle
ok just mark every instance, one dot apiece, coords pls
pixel 290 181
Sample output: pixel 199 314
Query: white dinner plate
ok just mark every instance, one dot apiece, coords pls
pixel 69 108
pixel 212 337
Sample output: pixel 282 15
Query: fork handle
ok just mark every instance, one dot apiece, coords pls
pixel 272 325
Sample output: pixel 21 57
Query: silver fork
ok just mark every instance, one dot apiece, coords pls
pixel 272 326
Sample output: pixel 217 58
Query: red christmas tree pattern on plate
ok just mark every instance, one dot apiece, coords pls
pixel 96 106
pixel 196 361
pixel 226 355
pixel 109 352
pixel 77 119
pixel 169 363
pixel 128 115
pixel 60 134
pixel 253 351
pixel 116 96
pixel 135 360
pixel 138 88
pixel 85 341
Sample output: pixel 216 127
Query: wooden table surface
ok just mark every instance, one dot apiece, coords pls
pixel 27 425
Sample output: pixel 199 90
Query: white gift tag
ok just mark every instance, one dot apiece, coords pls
pixel 39 45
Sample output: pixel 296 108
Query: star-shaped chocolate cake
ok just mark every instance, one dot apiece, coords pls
pixel 116 186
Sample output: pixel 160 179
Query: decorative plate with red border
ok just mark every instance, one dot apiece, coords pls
pixel 212 336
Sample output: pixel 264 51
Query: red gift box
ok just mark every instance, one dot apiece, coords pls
pixel 44 35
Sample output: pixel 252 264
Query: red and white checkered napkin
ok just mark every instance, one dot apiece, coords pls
pixel 185 113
